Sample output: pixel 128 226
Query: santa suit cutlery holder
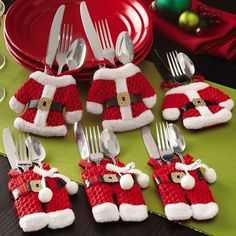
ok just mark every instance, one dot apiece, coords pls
pixel 124 96
pixel 41 198
pixel 112 191
pixel 184 190
pixel 199 104
pixel 45 102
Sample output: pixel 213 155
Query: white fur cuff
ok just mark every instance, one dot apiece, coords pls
pixel 178 211
pixel 228 104
pixel 94 108
pixel 150 102
pixel 16 106
pixel 204 211
pixel 171 113
pixel 73 116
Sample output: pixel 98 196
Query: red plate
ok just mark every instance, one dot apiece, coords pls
pixel 32 65
pixel 27 23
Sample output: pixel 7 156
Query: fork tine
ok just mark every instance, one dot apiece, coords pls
pixel 100 33
pixel 99 138
pixel 91 140
pixel 105 35
pixel 177 61
pixel 178 68
pixel 158 138
pixel 63 38
pixel 165 135
pixel 170 65
pixel 109 34
pixel 162 137
pixel 95 140
pixel 86 136
pixel 172 58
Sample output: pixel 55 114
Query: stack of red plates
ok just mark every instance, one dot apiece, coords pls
pixel 28 23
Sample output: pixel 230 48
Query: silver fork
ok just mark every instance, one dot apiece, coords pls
pixel 165 149
pixel 104 35
pixel 23 158
pixel 93 138
pixel 64 45
pixel 175 68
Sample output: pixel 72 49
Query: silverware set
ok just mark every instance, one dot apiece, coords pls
pixel 170 141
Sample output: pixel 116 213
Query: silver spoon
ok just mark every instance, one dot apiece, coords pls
pixel 186 64
pixel 76 54
pixel 109 144
pixel 177 140
pixel 36 149
pixel 124 48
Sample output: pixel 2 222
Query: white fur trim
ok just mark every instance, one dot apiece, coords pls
pixel 94 108
pixel 57 81
pixel 125 125
pixel 106 212
pixel 34 222
pixel 122 72
pixel 40 130
pixel 73 116
pixel 178 211
pixel 130 212
pixel 16 106
pixel 61 219
pixel 150 102
pixel 186 88
pixel 228 104
pixel 171 113
pixel 199 122
pixel 204 211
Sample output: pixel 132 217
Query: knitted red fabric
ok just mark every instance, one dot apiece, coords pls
pixel 43 120
pixel 211 106
pixel 99 193
pixel 171 192
pixel 110 83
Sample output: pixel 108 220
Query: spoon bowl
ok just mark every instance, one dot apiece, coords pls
pixel 109 144
pixel 186 64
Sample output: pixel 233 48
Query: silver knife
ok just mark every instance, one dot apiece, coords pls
pixel 90 31
pixel 10 148
pixel 54 36
pixel 81 141
pixel 150 143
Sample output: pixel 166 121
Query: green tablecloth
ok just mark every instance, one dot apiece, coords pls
pixel 215 146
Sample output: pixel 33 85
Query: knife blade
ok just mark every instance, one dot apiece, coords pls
pixel 10 148
pixel 54 36
pixel 150 143
pixel 90 32
pixel 81 141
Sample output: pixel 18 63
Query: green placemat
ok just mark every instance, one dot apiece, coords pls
pixel 215 146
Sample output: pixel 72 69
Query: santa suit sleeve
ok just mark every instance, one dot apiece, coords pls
pixel 219 97
pixel 18 102
pixel 147 93
pixel 96 97
pixel 171 106
pixel 73 104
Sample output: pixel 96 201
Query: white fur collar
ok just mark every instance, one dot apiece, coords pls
pixel 196 86
pixel 122 72
pixel 57 81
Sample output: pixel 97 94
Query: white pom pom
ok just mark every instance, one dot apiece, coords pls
pixel 126 181
pixel 187 182
pixel 45 195
pixel 143 180
pixel 210 175
pixel 72 187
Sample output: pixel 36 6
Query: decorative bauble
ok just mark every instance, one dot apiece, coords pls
pixel 126 181
pixel 189 21
pixel 72 187
pixel 143 180
pixel 171 8
pixel 187 182
pixel 45 195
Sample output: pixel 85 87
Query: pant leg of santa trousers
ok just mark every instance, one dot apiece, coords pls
pixel 59 209
pixel 131 203
pixel 101 198
pixel 202 202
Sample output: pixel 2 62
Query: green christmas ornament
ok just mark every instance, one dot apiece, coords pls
pixel 189 21
pixel 171 8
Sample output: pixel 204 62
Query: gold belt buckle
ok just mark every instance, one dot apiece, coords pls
pixel 177 176
pixel 44 104
pixel 123 99
pixel 110 178
pixel 36 185
pixel 197 102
